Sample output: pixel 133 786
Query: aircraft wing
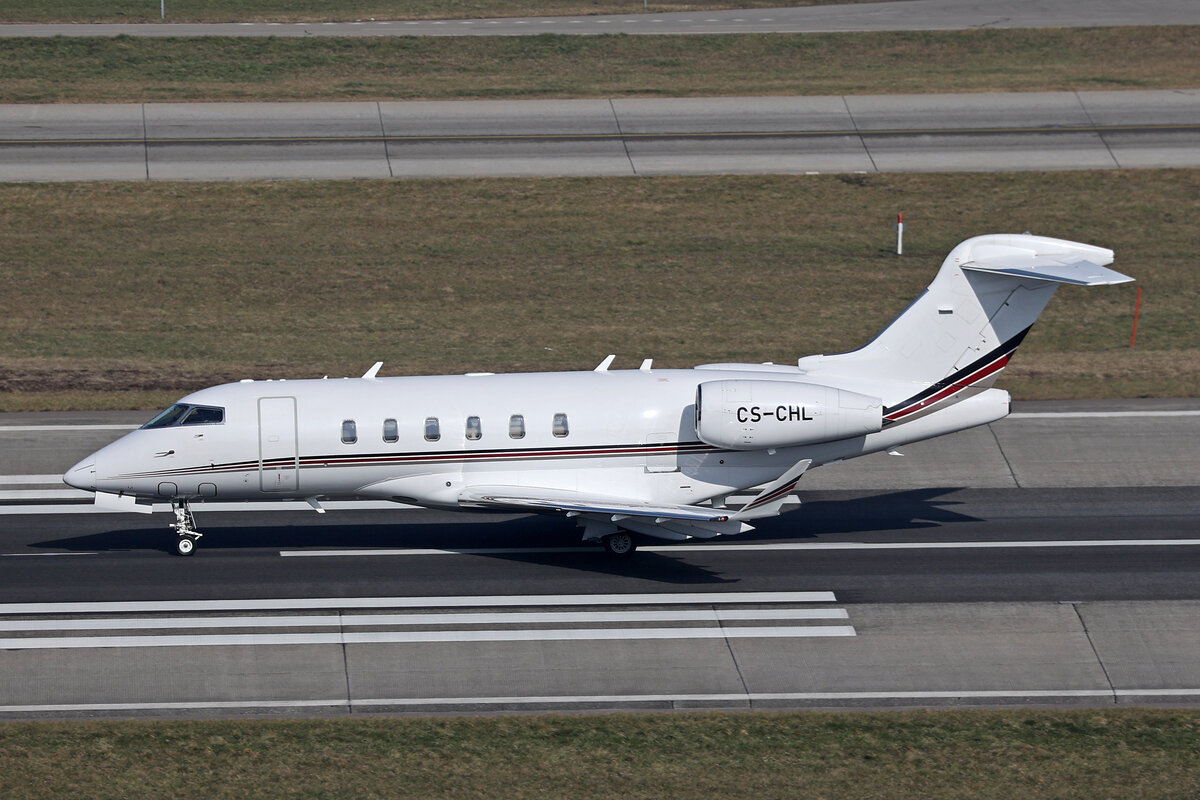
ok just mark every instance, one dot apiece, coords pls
pixel 534 499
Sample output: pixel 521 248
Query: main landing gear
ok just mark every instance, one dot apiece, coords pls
pixel 620 544
pixel 185 527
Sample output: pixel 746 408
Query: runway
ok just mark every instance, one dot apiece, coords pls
pixel 677 136
pixel 1050 558
pixel 903 15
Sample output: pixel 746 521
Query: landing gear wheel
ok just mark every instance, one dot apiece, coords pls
pixel 619 544
pixel 184 527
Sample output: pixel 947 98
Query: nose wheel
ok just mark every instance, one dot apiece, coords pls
pixel 185 528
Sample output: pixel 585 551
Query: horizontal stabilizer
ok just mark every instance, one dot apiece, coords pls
pixel 532 499
pixel 1050 268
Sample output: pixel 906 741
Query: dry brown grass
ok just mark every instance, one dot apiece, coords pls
pixel 163 288
pixel 66 70
pixel 1102 754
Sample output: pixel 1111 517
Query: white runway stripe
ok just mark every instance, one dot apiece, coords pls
pixel 64 428
pixel 617 699
pixel 30 480
pixel 360 620
pixel 1016 415
pixel 416 637
pixel 480 601
pixel 761 547
pixel 1100 414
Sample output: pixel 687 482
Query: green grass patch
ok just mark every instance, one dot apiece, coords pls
pixel 1090 755
pixel 162 288
pixel 127 69
pixel 350 10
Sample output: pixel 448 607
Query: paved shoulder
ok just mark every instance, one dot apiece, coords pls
pixel 887 16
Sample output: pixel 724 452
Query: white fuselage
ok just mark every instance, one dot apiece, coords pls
pixel 626 433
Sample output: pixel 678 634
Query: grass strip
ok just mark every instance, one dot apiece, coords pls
pixel 1092 754
pixel 126 69
pixel 162 288
pixel 351 10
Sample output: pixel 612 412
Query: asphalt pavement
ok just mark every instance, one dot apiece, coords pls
pixel 630 136
pixel 1050 558
pixel 902 15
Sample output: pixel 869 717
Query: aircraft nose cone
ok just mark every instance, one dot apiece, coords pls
pixel 82 475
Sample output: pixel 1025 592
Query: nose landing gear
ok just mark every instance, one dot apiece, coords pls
pixel 185 527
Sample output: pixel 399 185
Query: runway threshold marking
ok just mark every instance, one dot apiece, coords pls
pixel 739 548
pixel 449 601
pixel 343 629
pixel 368 620
pixel 417 637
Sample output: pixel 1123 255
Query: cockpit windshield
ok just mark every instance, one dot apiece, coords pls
pixel 185 414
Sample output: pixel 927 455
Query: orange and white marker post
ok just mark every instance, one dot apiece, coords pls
pixel 900 234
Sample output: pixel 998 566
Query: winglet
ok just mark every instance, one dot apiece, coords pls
pixel 770 499
pixel 605 364
pixel 370 374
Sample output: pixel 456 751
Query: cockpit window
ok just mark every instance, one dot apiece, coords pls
pixel 204 415
pixel 168 417
pixel 184 414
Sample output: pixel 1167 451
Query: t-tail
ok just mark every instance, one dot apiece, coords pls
pixel 956 337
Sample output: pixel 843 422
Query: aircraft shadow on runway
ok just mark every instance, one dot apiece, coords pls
pixel 827 515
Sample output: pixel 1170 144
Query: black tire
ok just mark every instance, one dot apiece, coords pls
pixel 185 546
pixel 620 544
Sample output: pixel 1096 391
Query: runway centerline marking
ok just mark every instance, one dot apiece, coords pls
pixel 739 548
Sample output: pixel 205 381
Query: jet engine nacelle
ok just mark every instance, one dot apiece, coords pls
pixel 755 415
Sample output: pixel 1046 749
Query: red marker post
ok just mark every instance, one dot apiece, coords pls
pixel 900 234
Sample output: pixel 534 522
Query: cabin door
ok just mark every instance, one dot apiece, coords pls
pixel 278 459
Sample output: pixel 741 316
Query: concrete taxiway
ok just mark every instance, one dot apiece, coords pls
pixel 901 15
pixel 1050 558
pixel 670 136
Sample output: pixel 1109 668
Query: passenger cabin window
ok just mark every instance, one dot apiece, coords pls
pixel 474 431
pixel 516 426
pixel 349 431
pixel 433 430
pixel 187 414
pixel 391 430
pixel 560 426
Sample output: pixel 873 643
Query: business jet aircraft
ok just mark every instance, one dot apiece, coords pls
pixel 646 451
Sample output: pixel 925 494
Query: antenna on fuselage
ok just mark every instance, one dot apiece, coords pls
pixel 605 364
pixel 370 374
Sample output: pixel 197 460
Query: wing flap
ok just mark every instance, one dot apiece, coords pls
pixel 537 499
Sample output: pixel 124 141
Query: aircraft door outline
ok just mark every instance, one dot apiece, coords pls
pixel 278 453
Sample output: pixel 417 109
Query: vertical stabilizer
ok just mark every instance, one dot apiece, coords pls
pixel 962 330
